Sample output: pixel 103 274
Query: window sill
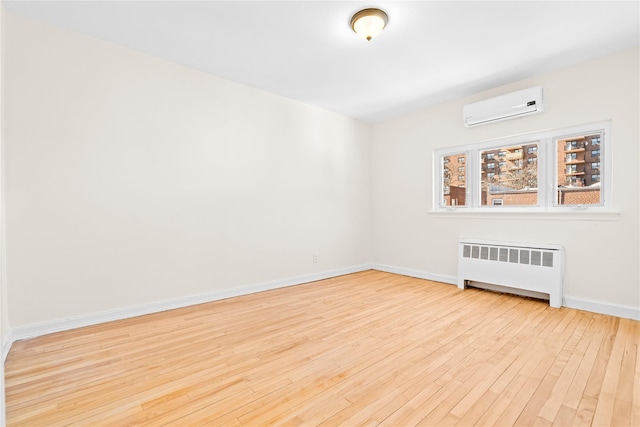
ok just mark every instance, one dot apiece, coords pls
pixel 554 216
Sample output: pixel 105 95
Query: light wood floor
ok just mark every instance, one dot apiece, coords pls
pixel 370 348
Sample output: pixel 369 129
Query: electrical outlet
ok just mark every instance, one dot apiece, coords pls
pixel 315 258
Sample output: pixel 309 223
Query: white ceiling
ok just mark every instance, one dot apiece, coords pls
pixel 430 52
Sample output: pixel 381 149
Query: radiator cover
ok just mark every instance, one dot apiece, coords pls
pixel 517 266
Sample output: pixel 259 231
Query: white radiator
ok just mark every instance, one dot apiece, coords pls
pixel 518 266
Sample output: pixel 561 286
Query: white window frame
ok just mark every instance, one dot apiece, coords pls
pixel 547 170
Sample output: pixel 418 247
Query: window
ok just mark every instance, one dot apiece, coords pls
pixel 452 186
pixel 573 145
pixel 580 184
pixel 548 171
pixel 514 185
pixel 573 181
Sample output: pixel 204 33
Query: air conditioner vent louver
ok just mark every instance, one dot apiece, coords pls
pixel 522 256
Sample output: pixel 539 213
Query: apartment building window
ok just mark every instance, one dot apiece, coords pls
pixel 554 170
pixel 461 159
pixel 572 145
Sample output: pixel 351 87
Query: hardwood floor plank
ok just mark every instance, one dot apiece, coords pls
pixel 369 348
pixel 565 366
pixel 623 405
pixel 635 410
pixel 606 399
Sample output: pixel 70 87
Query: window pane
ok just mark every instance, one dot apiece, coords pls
pixel 513 181
pixel 578 171
pixel 454 177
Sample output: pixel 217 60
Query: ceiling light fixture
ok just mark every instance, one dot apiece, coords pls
pixel 368 23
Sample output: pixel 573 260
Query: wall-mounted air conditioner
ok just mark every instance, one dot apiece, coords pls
pixel 510 106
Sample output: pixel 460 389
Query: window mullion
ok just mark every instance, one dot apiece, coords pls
pixel 544 168
pixel 474 179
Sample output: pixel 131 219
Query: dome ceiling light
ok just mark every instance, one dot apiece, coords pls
pixel 368 23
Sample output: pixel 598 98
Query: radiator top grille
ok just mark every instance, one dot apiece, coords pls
pixel 542 258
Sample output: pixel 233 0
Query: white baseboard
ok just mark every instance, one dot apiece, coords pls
pixel 593 306
pixel 627 312
pixel 7 340
pixel 31 331
pixel 452 280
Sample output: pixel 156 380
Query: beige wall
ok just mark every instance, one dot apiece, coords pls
pixel 4 323
pixel 132 180
pixel 602 256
